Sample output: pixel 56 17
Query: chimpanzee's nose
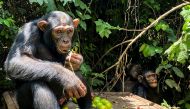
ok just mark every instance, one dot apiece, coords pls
pixel 65 41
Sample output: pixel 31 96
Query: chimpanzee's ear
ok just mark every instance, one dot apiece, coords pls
pixel 76 22
pixel 42 25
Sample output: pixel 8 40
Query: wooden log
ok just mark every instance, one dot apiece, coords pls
pixel 10 100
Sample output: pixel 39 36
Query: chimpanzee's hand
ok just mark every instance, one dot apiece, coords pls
pixel 73 86
pixel 73 61
pixel 77 90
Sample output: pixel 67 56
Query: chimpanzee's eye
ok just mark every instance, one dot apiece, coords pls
pixel 59 31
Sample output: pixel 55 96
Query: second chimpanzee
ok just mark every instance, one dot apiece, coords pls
pixel 36 63
pixel 146 86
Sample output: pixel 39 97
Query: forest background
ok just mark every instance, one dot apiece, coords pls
pixel 114 34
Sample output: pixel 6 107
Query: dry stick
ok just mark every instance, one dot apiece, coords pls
pixel 140 34
pixel 112 49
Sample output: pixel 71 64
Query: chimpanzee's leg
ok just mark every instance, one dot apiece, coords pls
pixel 24 96
pixel 86 101
pixel 43 97
pixel 36 95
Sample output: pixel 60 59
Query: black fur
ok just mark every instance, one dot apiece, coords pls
pixel 37 68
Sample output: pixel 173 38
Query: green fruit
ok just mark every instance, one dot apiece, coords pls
pixel 104 101
pixel 99 104
pixel 102 107
pixel 93 105
pixel 65 107
pixel 108 105
pixel 96 100
pixel 74 100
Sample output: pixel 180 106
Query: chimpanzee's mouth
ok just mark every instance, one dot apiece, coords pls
pixel 62 51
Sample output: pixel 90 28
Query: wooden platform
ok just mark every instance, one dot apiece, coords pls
pixel 10 101
pixel 126 100
pixel 120 100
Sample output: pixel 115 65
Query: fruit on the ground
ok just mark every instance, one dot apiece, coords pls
pixel 101 103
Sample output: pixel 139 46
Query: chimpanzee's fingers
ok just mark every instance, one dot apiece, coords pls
pixel 69 93
pixel 75 93
pixel 82 89
pixel 75 58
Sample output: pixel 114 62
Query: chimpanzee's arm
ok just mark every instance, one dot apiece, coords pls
pixel 26 68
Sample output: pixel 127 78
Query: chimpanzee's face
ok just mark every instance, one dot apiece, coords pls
pixel 151 79
pixel 59 26
pixel 62 36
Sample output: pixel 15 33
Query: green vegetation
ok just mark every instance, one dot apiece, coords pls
pixel 164 47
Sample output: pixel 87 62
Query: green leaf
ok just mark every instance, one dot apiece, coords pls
pixel 83 24
pixel 105 33
pixel 178 72
pixel 40 2
pixel 142 47
pixel 71 14
pixel 158 50
pixel 7 23
pixel 182 54
pixel 158 69
pixel 187 105
pixel 188 67
pixel 173 50
pixel 167 66
pixel 149 50
pixel 171 35
pixel 172 84
pixel 186 26
pixel 32 1
pixel 86 69
pixel 182 57
pixel 82 5
pixel 1 21
pixel 80 15
pixel 103 28
pixel 86 16
pixel 181 102
pixel 97 82
pixel 50 5
pixel 1 4
pixel 185 13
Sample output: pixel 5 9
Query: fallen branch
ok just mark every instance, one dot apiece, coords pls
pixel 112 49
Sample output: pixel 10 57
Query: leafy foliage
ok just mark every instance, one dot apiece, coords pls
pixel 150 50
pixel 104 28
pixel 87 72
pixel 178 51
pixel 164 48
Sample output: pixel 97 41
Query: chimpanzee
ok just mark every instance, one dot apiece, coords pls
pixel 36 63
pixel 147 86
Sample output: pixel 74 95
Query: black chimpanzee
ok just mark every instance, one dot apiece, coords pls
pixel 146 86
pixel 36 64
